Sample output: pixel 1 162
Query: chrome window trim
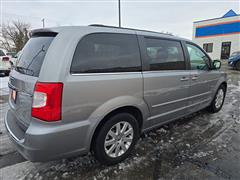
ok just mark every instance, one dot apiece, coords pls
pixel 110 73
pixel 179 100
pixel 182 108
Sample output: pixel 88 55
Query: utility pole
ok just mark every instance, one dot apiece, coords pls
pixel 119 13
pixel 43 22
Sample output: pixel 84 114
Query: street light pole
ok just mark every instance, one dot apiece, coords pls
pixel 119 13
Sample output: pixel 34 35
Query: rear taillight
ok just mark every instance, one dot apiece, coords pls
pixel 5 58
pixel 47 101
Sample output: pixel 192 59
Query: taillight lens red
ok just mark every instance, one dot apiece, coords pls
pixel 5 58
pixel 47 101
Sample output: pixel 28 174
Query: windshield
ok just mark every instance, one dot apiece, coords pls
pixel 1 53
pixel 32 55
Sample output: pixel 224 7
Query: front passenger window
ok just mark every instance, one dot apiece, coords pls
pixel 198 59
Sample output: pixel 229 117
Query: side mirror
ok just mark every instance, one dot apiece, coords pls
pixel 216 64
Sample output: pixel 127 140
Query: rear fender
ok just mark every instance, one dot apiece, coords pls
pixel 102 111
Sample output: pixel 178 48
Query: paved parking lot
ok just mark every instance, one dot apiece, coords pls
pixel 200 146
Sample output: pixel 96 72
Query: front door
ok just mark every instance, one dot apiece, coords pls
pixel 202 81
pixel 166 80
pixel 225 51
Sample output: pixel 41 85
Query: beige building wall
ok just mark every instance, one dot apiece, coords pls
pixel 218 39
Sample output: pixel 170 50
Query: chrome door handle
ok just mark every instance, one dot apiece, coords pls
pixel 184 79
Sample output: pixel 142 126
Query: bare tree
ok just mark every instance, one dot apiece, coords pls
pixel 14 36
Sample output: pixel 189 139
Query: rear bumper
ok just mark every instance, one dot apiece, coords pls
pixel 43 142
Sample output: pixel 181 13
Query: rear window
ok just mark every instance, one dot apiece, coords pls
pixel 32 56
pixel 106 52
pixel 2 53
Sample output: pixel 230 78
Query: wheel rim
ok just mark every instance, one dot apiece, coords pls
pixel 219 98
pixel 118 139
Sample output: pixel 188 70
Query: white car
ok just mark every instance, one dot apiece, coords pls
pixel 5 64
pixel 14 58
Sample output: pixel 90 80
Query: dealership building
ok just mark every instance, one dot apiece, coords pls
pixel 220 37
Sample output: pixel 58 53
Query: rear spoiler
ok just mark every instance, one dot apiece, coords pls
pixel 43 32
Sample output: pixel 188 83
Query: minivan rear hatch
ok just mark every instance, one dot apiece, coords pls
pixel 25 75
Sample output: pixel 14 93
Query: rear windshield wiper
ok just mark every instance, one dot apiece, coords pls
pixel 40 51
pixel 24 70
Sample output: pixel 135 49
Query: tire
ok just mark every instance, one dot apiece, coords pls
pixel 218 100
pixel 100 148
pixel 238 65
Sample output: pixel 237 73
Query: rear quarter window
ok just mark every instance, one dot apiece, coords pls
pixel 33 54
pixel 106 52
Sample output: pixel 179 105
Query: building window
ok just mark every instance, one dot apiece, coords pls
pixel 208 47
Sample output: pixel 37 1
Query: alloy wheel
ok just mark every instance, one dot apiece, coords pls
pixel 118 139
pixel 219 98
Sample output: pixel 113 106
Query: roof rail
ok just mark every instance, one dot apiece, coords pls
pixel 101 25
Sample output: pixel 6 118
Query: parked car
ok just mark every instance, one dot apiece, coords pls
pixel 106 87
pixel 15 58
pixel 5 65
pixel 234 60
pixel 11 54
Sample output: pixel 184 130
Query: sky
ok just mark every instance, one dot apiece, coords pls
pixel 174 16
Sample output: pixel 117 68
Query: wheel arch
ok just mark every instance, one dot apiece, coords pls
pixel 224 84
pixel 222 80
pixel 133 110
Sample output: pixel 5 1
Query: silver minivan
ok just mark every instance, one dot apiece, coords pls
pixel 97 88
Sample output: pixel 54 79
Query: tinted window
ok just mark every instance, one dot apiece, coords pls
pixel 100 53
pixel 1 53
pixel 164 54
pixel 198 59
pixel 32 55
pixel 208 47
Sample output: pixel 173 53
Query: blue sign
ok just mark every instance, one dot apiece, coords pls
pixel 218 29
